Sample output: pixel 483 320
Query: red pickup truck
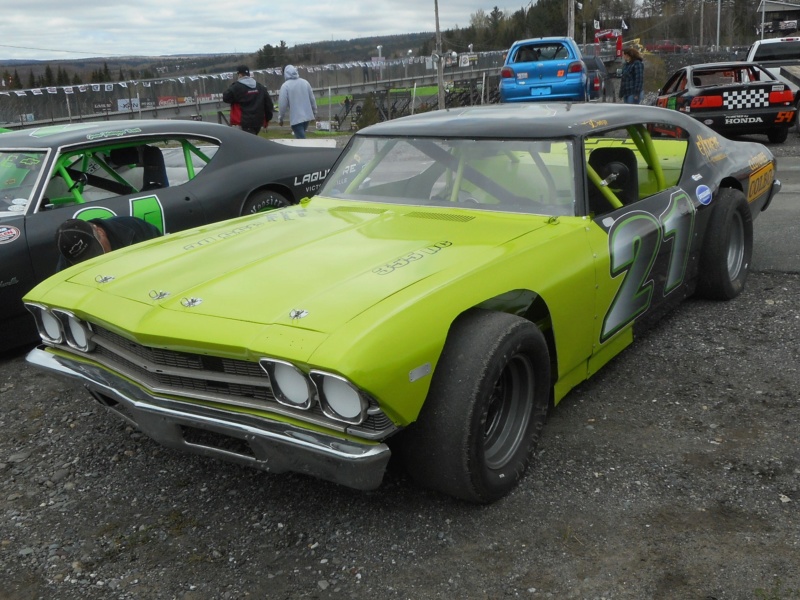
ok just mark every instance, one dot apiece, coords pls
pixel 667 47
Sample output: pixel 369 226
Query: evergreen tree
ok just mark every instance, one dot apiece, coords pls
pixel 62 77
pixel 265 57
pixel 369 112
pixel 282 54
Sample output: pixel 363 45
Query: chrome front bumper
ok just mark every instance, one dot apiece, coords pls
pixel 231 436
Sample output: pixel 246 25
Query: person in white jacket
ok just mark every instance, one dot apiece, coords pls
pixel 297 98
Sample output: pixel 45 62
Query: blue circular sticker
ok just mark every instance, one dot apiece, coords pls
pixel 703 193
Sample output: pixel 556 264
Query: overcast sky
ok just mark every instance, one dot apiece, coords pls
pixel 58 30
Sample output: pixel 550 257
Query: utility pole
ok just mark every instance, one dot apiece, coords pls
pixel 439 58
pixel 702 3
pixel 571 18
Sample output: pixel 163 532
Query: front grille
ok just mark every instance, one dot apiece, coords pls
pixel 223 380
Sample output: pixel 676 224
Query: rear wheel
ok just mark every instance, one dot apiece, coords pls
pixel 727 249
pixel 778 136
pixel 262 201
pixel 797 115
pixel 485 409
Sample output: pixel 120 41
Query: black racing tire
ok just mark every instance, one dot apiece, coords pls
pixel 778 135
pixel 485 409
pixel 727 248
pixel 797 115
pixel 262 201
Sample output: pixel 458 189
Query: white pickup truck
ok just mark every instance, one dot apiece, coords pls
pixel 781 57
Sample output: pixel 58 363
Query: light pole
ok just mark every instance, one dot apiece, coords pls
pixel 408 59
pixel 380 63
pixel 719 8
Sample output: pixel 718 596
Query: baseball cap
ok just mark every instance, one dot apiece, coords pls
pixel 76 242
pixel 243 70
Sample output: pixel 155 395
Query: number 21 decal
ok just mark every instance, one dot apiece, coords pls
pixel 147 208
pixel 634 242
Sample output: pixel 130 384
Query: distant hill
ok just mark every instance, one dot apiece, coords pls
pixel 333 51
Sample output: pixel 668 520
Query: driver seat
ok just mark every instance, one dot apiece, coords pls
pixel 620 167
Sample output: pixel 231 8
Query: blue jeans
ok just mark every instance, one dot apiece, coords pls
pixel 299 130
pixel 631 99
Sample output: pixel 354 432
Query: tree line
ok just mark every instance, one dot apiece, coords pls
pixel 685 21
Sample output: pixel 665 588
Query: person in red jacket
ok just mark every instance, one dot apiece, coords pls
pixel 251 105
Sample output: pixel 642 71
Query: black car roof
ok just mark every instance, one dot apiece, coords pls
pixel 525 120
pixel 49 136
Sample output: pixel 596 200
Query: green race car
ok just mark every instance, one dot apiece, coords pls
pixel 458 273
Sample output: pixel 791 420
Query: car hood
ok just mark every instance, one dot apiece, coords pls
pixel 314 266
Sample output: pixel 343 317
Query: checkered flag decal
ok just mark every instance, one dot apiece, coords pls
pixel 745 99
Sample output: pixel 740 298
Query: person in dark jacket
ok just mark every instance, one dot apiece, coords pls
pixel 631 85
pixel 79 240
pixel 251 105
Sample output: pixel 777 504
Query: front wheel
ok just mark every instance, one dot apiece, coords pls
pixel 727 248
pixel 485 409
pixel 262 201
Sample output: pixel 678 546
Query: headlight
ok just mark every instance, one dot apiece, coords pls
pixel 50 328
pixel 290 386
pixel 339 398
pixel 77 333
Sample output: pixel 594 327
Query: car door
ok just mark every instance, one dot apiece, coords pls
pixel 646 236
pixel 16 273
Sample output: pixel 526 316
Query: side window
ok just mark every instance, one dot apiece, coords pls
pixel 121 169
pixel 620 170
pixel 677 83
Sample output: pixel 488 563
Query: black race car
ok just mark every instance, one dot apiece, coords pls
pixel 733 98
pixel 173 174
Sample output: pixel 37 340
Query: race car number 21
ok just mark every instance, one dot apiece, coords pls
pixel 147 208
pixel 634 243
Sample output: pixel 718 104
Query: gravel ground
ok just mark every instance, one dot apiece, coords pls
pixel 672 474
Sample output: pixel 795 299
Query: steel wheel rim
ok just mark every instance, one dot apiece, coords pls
pixel 508 412
pixel 736 247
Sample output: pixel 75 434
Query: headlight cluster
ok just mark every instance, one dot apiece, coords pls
pixel 339 399
pixel 57 326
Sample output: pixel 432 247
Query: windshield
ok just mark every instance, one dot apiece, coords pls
pixel 18 174
pixel 528 176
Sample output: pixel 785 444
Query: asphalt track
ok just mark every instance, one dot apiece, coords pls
pixel 776 232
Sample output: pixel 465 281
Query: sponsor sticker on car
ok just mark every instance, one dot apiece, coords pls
pixel 8 234
pixel 760 181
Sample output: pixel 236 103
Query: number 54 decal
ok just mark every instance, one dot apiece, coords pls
pixel 634 243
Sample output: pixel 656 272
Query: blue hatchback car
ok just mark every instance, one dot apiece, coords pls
pixel 549 68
